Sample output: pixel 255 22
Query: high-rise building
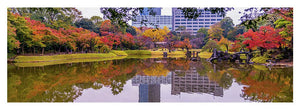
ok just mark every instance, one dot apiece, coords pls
pixel 147 11
pixel 153 21
pixel 193 25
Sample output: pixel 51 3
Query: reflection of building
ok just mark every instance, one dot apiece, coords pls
pixel 149 93
pixel 139 79
pixel 149 87
pixel 192 82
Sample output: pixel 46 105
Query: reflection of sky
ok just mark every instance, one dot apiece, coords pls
pixel 131 94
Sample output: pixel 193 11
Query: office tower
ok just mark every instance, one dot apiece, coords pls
pixel 206 19
pixel 147 11
pixel 156 21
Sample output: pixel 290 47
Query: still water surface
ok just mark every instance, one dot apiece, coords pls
pixel 150 80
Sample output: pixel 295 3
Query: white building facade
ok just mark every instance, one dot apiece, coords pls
pixel 206 19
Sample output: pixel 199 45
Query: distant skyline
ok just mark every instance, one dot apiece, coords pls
pixel 88 12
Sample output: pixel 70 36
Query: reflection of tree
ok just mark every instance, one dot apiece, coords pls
pixel 222 77
pixel 226 80
pixel 64 83
pixel 178 64
pixel 156 69
pixel 264 85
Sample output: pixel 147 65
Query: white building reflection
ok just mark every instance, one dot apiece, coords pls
pixel 187 81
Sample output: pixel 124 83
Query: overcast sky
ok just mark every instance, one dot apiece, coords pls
pixel 89 12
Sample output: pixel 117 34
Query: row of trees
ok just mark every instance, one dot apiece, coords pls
pixel 28 35
pixel 273 32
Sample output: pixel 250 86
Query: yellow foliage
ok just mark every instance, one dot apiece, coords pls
pixel 156 70
pixel 157 35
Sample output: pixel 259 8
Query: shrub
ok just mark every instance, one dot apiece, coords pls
pixel 105 49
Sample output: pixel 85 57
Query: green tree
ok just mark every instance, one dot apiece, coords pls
pixel 239 29
pixel 210 45
pixel 97 20
pixel 226 25
pixel 131 30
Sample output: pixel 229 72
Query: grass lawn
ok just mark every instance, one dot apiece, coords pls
pixel 259 59
pixel 45 63
pixel 119 52
pixel 63 57
pixel 137 52
pixel 160 52
pixel 205 54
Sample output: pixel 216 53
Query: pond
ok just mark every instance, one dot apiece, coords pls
pixel 150 80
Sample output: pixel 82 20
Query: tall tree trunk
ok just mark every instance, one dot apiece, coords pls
pixel 43 51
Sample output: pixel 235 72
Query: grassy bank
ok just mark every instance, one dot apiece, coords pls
pixel 32 61
pixel 205 54
pixel 63 57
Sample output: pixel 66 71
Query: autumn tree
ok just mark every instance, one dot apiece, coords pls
pixel 215 31
pixel 157 35
pixel 266 38
pixel 186 44
pixel 12 42
pixel 23 33
pixel 224 42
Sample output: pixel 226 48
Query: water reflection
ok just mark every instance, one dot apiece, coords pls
pixel 69 82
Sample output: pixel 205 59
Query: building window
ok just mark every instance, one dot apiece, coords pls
pixel 195 29
pixel 189 23
pixel 212 22
pixel 177 19
pixel 177 23
pixel 213 15
pixel 207 19
pixel 189 26
pixel 213 19
pixel 201 19
pixel 195 22
pixel 183 19
pixel 189 19
pixel 218 19
pixel 177 16
pixel 206 25
pixel 206 22
pixel 201 23
pixel 195 26
pixel 207 15
pixel 183 23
